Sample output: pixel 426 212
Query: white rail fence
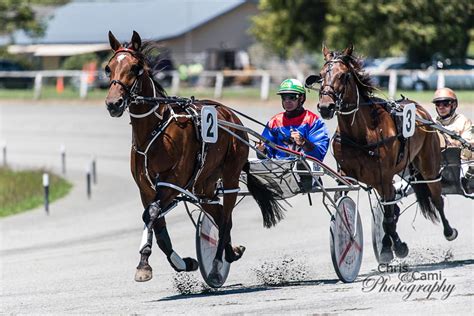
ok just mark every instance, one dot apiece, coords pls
pixel 217 77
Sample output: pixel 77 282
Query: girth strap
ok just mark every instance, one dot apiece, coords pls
pixel 368 148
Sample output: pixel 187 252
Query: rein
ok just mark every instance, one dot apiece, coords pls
pixel 338 98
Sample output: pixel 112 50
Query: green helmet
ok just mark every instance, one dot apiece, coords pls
pixel 291 86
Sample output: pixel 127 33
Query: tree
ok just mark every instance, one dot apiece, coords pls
pixel 418 28
pixel 18 15
pixel 286 23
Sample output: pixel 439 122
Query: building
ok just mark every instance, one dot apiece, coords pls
pixel 208 31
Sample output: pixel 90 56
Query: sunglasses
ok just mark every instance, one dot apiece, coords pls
pixel 291 97
pixel 442 103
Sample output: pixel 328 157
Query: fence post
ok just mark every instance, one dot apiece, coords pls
pixel 175 83
pixel 440 83
pixel 38 86
pixel 94 170
pixel 265 87
pixel 46 192
pixel 83 86
pixel 392 84
pixel 62 149
pixel 88 181
pixel 219 85
pixel 4 154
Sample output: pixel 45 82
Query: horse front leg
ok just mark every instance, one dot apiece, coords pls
pixel 391 241
pixel 164 242
pixel 144 271
pixel 157 224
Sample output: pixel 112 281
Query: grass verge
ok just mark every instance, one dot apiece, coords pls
pixel 23 190
pixel 245 93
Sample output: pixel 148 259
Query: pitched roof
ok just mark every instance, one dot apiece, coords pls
pixel 89 22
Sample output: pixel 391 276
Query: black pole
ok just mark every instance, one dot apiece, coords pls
pixel 46 192
pixel 94 171
pixel 88 183
pixel 63 159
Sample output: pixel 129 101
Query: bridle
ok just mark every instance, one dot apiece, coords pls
pixel 338 97
pixel 131 93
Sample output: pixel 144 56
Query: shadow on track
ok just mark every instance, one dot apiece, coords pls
pixel 239 289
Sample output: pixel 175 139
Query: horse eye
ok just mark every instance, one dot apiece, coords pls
pixel 136 70
pixel 107 71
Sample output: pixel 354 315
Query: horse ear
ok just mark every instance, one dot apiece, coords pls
pixel 114 43
pixel 348 51
pixel 326 53
pixel 136 41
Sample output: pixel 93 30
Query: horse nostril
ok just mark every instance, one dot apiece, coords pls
pixel 118 102
pixel 327 110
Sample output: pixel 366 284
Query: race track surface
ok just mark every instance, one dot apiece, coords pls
pixel 82 257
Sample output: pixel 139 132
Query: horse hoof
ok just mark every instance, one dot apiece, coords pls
pixel 191 264
pixel 453 235
pixel 234 253
pixel 214 280
pixel 401 250
pixel 386 255
pixel 238 251
pixel 143 275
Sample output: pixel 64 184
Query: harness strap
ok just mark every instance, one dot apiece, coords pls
pixel 367 148
pixel 426 181
pixel 200 159
pixel 153 109
pixel 156 132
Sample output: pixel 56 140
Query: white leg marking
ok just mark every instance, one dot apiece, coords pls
pixel 144 238
pixel 177 261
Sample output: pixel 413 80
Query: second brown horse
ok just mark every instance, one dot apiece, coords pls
pixel 368 146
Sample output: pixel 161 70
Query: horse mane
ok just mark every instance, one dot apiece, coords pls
pixel 150 55
pixel 363 80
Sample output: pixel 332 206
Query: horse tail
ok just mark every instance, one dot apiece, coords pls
pixel 267 199
pixel 425 200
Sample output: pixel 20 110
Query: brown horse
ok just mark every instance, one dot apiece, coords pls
pixel 368 147
pixel 166 148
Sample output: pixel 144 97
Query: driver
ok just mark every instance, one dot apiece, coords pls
pixel 295 128
pixel 446 103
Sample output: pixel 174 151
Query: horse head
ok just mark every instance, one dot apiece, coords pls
pixel 124 70
pixel 338 92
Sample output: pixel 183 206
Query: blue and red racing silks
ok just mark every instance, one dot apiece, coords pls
pixel 308 124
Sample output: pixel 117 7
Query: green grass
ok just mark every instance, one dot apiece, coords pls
pixel 245 93
pixel 464 96
pixel 23 190
pixel 49 93
pixel 250 93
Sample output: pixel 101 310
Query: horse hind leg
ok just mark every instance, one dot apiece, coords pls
pixel 231 180
pixel 231 253
pixel 429 195
pixel 437 199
